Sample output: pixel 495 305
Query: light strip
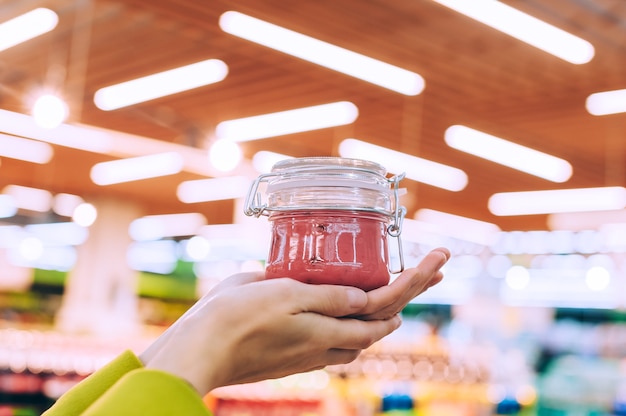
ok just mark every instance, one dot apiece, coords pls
pixel 554 201
pixel 203 190
pixel 526 28
pixel 26 27
pixel 136 168
pixel 66 204
pixel 288 122
pixel 11 235
pixel 154 227
pixel 606 102
pixel 508 153
pixel 67 135
pixel 8 207
pixel 25 149
pixel 153 256
pixel 33 199
pixel 456 226
pixel 418 169
pixel 579 221
pixel 161 84
pixel 264 161
pixel 58 233
pixel 110 142
pixel 322 53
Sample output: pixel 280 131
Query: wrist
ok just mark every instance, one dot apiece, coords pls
pixel 190 357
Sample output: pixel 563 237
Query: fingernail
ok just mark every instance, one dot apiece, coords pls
pixel 444 259
pixel 356 297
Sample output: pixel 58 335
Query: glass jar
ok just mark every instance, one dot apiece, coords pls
pixel 330 219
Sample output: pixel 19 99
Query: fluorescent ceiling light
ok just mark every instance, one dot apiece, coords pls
pixel 161 84
pixel 224 155
pixel 136 168
pixel 554 201
pixel 322 53
pixel 288 122
pixel 526 28
pixel 607 102
pixel 27 26
pixel 227 233
pixel 203 190
pixel 418 169
pixel 50 111
pixel 420 232
pixel 111 143
pixel 508 153
pixel 249 240
pixel 614 236
pixel 25 149
pixel 32 199
pixel 197 248
pixel 8 207
pixel 10 235
pixel 459 227
pixel 579 221
pixel 65 204
pixel 264 161
pixel 58 233
pixel 88 139
pixel 153 256
pixel 154 227
pixel 33 254
pixel 85 214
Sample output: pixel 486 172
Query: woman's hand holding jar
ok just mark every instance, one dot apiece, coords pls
pixel 249 328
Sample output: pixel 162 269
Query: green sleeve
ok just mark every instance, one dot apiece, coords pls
pixel 149 392
pixel 81 396
pixel 124 387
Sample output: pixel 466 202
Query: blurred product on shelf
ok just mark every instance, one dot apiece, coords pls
pixel 477 359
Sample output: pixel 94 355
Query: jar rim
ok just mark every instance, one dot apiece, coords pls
pixel 329 162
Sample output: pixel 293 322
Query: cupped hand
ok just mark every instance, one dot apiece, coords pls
pixel 388 301
pixel 249 329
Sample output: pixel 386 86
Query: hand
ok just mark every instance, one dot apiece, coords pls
pixel 249 329
pixel 388 301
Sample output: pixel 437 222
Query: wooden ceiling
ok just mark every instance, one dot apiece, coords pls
pixel 474 76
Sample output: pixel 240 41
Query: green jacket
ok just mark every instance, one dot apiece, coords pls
pixel 124 387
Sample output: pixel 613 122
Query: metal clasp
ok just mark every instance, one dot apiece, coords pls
pixel 395 228
pixel 254 205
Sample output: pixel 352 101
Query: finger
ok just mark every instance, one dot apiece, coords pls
pixel 240 279
pixel 329 300
pixel 333 356
pixel 390 300
pixel 414 281
pixel 340 356
pixel 357 334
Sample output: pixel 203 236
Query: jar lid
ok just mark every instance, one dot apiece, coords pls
pixel 328 172
pixel 335 183
pixel 328 162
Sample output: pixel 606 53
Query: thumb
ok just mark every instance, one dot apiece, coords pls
pixel 330 300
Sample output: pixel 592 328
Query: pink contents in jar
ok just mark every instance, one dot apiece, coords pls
pixel 330 247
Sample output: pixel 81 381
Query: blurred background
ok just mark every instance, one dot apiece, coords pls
pixel 130 131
